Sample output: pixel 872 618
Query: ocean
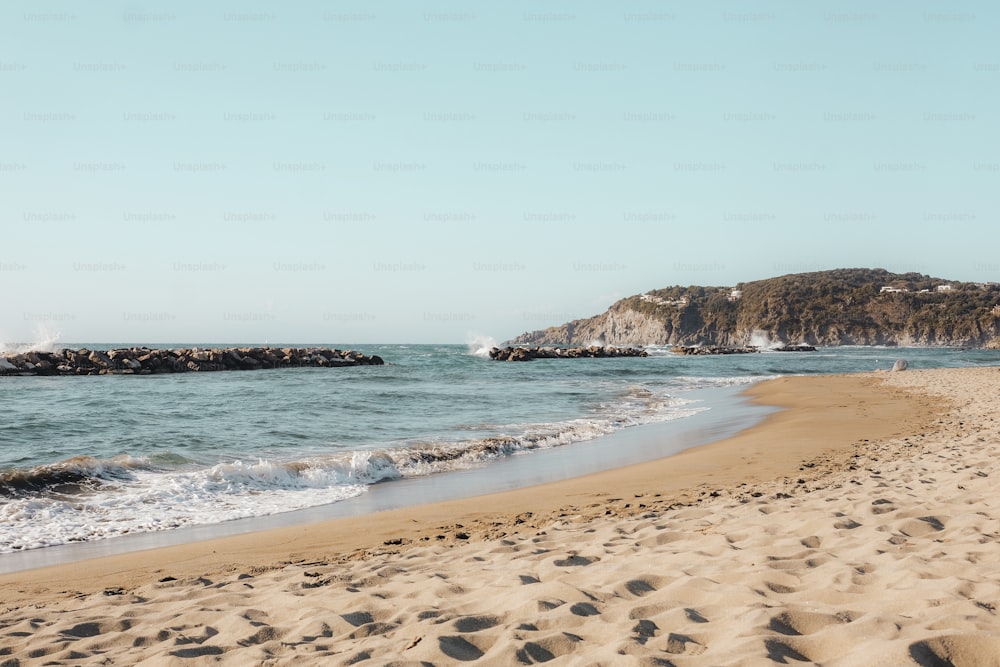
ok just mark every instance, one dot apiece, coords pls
pixel 88 459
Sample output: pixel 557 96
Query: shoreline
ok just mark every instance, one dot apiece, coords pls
pixel 721 412
pixel 857 525
pixel 817 416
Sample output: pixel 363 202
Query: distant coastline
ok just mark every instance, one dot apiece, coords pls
pixel 828 308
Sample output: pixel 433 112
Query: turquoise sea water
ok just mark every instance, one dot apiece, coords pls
pixel 88 458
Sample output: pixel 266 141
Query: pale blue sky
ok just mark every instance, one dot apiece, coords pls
pixel 425 172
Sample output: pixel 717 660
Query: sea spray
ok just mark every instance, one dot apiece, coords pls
pixel 479 345
pixel 762 340
pixel 45 340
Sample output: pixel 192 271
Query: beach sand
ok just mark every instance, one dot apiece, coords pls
pixel 857 526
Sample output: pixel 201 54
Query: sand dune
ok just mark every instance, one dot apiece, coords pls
pixel 883 552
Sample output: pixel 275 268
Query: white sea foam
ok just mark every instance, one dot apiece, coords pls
pixel 45 340
pixel 128 495
pixel 687 383
pixel 480 345
pixel 151 501
pixel 762 340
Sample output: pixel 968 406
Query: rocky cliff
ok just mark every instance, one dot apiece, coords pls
pixel 840 307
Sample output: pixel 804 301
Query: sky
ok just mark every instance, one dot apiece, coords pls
pixel 434 172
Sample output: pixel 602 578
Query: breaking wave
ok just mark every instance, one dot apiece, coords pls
pixel 84 498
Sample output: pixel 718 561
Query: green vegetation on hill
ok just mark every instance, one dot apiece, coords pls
pixel 839 307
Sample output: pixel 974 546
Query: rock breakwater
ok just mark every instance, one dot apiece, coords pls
pixel 146 361
pixel 592 352
pixel 695 350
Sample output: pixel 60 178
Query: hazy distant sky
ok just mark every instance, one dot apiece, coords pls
pixel 428 171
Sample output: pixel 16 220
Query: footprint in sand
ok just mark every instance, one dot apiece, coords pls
pixel 550 604
pixel 882 506
pixel 781 589
pixel 806 622
pixel 460 648
pixel 198 652
pixel 584 609
pixel 547 648
pixel 804 636
pixel 677 644
pixel 468 624
pixel 266 634
pixel 644 630
pixel 973 650
pixel 373 630
pixel 921 527
pixel 639 587
pixel 573 560
pixel 182 638
pixel 781 652
pixel 695 616
pixel 358 618
pixel 85 630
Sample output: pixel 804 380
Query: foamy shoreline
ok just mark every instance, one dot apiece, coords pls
pixel 714 413
pixel 858 526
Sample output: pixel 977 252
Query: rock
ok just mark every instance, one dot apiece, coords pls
pixel 250 362
pixel 521 354
pixel 900 365
pixel 144 361
pixel 100 359
pixel 592 352
pixel 698 350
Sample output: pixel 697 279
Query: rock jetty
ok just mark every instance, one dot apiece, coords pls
pixel 146 361
pixel 749 349
pixel 592 352
pixel 712 349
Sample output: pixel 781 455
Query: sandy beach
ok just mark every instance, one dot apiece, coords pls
pixel 858 525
